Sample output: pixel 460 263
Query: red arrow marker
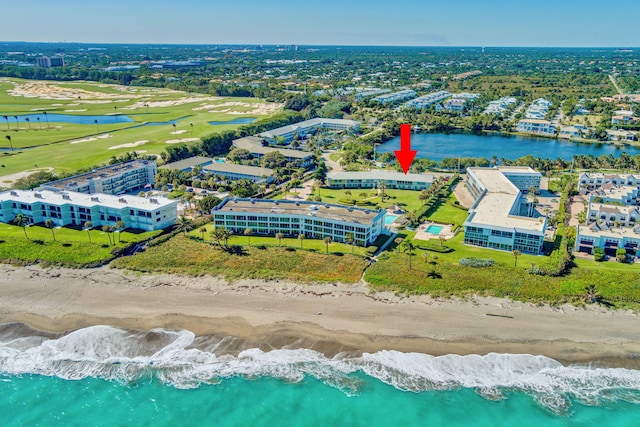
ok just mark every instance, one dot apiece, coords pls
pixel 405 154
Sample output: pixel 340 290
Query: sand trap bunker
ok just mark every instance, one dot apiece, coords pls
pixel 178 132
pixel 178 141
pixel 92 138
pixel 130 144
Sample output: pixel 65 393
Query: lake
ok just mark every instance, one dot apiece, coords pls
pixel 438 146
pixel 68 118
pixel 238 121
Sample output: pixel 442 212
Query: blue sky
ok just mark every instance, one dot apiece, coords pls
pixel 347 22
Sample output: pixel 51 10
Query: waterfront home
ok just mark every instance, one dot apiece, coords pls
pixel 536 126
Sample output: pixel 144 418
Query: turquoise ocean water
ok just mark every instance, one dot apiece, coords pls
pixel 108 376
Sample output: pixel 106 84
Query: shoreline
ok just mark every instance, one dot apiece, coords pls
pixel 328 318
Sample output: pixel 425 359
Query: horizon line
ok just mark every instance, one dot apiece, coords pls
pixel 325 45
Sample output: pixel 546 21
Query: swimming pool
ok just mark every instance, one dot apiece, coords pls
pixel 388 219
pixel 434 229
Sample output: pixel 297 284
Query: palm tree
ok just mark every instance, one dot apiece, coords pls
pixel 591 295
pixel 95 121
pixel 218 235
pixel 442 239
pixel 120 226
pixel 22 221
pixel 382 186
pixel 326 241
pixel 17 125
pixel 46 117
pixel 248 232
pixel 9 139
pixel 202 231
pixel 184 224
pixel 115 109
pixel 28 122
pixel 516 253
pixel 301 238
pixel 349 239
pixel 39 123
pixel 174 127
pixel 191 124
pixel 279 237
pixel 88 226
pixel 348 194
pixel 108 230
pixel 408 247
pixel 7 119
pixel 50 224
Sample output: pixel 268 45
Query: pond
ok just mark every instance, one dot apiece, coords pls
pixel 438 146
pixel 238 121
pixel 67 118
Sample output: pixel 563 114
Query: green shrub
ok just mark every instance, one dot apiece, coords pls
pixel 477 262
pixel 598 254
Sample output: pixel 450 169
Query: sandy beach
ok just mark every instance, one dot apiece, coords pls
pixel 329 318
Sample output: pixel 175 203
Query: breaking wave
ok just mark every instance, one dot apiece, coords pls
pixel 180 359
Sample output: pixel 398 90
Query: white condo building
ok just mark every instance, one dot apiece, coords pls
pixel 291 218
pixel 502 217
pixel 70 208
pixel 308 127
pixel 428 99
pixel 394 97
pixel 114 179
pixel 372 179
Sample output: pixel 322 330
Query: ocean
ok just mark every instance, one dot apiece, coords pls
pixel 108 376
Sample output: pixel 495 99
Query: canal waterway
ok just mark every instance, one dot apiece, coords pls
pixel 438 146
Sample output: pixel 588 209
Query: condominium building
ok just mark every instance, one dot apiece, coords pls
pixel 593 181
pixel 187 165
pixel 502 217
pixel 500 106
pixel 428 99
pixel 114 179
pixel 538 109
pixel 372 179
pixel 233 172
pixel 613 213
pixel 254 145
pixel 302 129
pixel 536 126
pixel 70 208
pixel 50 61
pixel 394 97
pixel 292 218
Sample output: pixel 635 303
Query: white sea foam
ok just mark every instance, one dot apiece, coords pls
pixel 173 357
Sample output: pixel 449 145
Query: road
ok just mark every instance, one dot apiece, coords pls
pixel 615 83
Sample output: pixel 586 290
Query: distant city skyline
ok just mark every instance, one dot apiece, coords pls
pixel 375 22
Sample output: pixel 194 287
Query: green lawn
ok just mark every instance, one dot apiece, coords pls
pixel 187 256
pixel 309 244
pixel 449 214
pixel 62 155
pixel 71 247
pixel 406 199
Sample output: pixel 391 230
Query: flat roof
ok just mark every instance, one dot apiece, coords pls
pixel 518 169
pixel 240 169
pixel 191 162
pixel 495 206
pixel 102 173
pixel 381 175
pixel 308 124
pixel 291 207
pixel 253 144
pixel 85 200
